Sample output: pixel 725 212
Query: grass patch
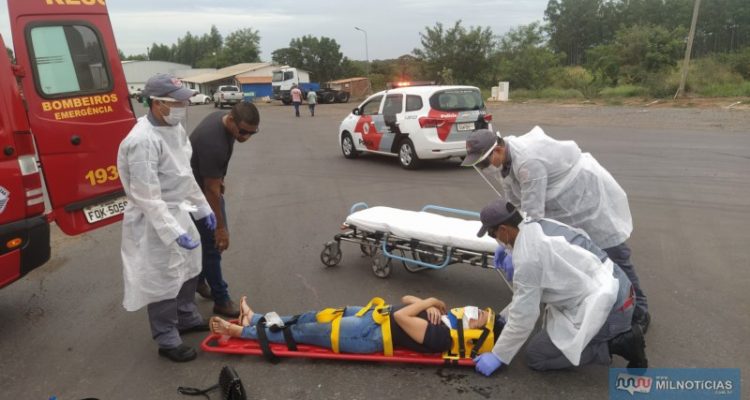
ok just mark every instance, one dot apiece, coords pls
pixel 726 90
pixel 548 93
pixel 624 91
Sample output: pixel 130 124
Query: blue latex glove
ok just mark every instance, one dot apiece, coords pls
pixel 210 221
pixel 487 363
pixel 499 256
pixel 504 262
pixel 185 241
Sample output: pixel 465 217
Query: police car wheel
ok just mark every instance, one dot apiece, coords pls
pixel 381 265
pixel 347 146
pixel 331 254
pixel 406 154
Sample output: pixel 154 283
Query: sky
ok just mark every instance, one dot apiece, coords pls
pixel 392 26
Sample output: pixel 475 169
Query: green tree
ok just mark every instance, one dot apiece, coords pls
pixel 160 52
pixel 320 56
pixel 648 49
pixel 187 50
pixel 209 49
pixel 240 46
pixel 10 55
pixel 525 61
pixel 467 53
pixel 575 26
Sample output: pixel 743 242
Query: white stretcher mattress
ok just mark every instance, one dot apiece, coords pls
pixel 424 226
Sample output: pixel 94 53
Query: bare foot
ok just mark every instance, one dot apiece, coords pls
pixel 246 313
pixel 223 327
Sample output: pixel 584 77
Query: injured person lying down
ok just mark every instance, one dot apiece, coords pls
pixel 419 325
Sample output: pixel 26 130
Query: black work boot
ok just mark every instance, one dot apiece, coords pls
pixel 204 290
pixel 642 319
pixel 630 346
pixel 181 353
pixel 227 309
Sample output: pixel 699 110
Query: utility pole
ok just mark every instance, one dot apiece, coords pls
pixel 686 63
pixel 367 57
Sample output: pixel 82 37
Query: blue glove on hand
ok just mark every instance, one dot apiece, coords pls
pixel 210 221
pixel 487 363
pixel 185 241
pixel 499 256
pixel 504 262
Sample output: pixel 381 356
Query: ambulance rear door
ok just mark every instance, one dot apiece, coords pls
pixel 78 106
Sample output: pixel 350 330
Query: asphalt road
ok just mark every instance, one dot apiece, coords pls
pixel 65 333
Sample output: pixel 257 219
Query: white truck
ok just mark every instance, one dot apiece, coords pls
pixel 227 94
pixel 285 77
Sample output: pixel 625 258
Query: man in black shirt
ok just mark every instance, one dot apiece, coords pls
pixel 213 141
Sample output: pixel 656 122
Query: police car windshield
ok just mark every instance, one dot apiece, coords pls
pixel 457 100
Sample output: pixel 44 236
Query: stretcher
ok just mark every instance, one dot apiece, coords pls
pixel 419 240
pixel 218 344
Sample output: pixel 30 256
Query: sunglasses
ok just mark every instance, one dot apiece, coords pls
pixel 245 132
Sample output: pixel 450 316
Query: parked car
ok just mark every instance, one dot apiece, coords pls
pixel 227 94
pixel 415 123
pixel 200 98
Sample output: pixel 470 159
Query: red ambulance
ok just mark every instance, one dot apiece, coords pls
pixel 64 108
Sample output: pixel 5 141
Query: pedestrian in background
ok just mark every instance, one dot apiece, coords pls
pixel 213 142
pixel 296 99
pixel 312 99
pixel 160 253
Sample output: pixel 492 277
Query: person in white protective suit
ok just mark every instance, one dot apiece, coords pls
pixel 161 253
pixel 548 178
pixel 588 300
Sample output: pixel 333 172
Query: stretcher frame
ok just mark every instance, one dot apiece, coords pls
pixel 415 255
pixel 215 343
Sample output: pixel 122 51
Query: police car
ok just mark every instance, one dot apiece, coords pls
pixel 415 123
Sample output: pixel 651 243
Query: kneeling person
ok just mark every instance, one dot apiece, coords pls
pixel 420 325
pixel 588 299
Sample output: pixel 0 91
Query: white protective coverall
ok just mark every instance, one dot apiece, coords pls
pixel 577 288
pixel 553 179
pixel 154 166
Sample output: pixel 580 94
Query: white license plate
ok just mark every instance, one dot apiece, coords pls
pixel 106 210
pixel 465 126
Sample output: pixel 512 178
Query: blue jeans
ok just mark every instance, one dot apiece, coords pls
pixel 312 109
pixel 359 335
pixel 296 107
pixel 211 270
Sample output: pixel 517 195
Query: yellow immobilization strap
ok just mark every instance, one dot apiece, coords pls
pixel 380 314
pixel 333 316
pixel 467 343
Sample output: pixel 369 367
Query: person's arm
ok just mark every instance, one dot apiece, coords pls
pixel 407 317
pixel 144 190
pixel 532 176
pixel 523 311
pixel 212 190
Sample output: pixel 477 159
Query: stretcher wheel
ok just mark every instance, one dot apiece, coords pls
pixel 381 265
pixel 331 254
